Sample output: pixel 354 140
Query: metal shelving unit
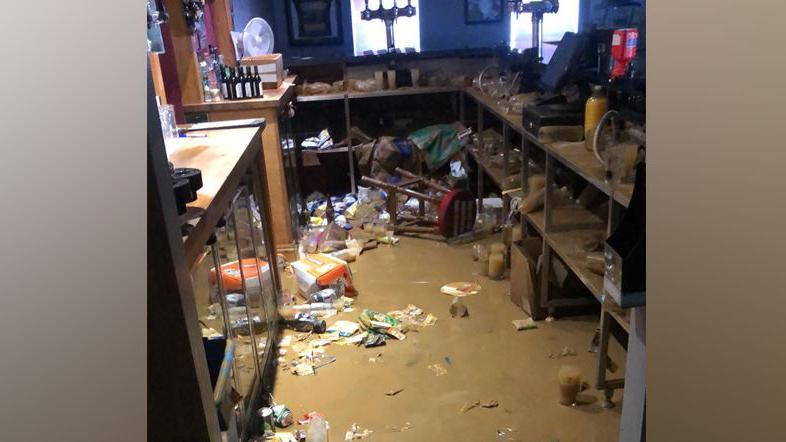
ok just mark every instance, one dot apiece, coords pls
pixel 563 229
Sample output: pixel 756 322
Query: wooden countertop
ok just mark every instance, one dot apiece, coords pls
pixel 223 156
pixel 272 98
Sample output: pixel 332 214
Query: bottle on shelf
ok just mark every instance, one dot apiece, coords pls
pixel 258 81
pixel 249 88
pixel 596 107
pixel 223 81
pixel 240 84
pixel 231 83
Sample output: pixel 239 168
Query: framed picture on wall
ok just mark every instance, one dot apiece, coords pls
pixel 314 22
pixel 483 11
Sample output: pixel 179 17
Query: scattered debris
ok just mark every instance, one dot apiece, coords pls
pixel 508 434
pixel 595 344
pixel 458 309
pixel 282 416
pixel 356 339
pixel 470 405
pixel 524 324
pixel 303 369
pixel 489 404
pixel 397 429
pixel 389 240
pixel 375 359
pixel 447 361
pixel 566 351
pixel 413 316
pixel 357 432
pixel 344 328
pixel 308 416
pixel 438 369
pixel 285 341
pixel 461 289
pixel 394 391
pixel 373 340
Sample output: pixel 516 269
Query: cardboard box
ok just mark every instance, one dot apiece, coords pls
pixel 524 277
pixel 318 271
pixel 271 69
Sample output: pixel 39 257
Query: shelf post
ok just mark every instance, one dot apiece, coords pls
pixel 480 171
pixel 350 150
pixel 505 166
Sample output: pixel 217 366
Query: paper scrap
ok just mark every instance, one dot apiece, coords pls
pixel 524 324
pixel 438 369
pixel 394 391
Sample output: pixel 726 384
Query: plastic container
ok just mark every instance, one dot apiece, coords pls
pixel 317 430
pixel 594 109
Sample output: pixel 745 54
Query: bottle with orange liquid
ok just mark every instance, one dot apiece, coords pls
pixel 596 107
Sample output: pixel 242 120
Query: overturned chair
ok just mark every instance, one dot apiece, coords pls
pixel 456 208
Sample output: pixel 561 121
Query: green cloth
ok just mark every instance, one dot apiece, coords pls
pixel 438 143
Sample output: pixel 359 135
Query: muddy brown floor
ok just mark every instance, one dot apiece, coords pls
pixel 485 357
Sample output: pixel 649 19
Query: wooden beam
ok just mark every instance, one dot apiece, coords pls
pixel 186 62
pixel 158 79
pixel 221 11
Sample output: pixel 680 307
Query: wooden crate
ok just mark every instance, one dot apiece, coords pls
pixel 271 69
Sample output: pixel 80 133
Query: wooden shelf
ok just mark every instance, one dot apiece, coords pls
pixel 566 218
pixel 375 94
pixel 618 314
pixel 321 97
pixel 273 98
pixel 568 245
pixel 571 154
pixel 404 91
pixel 495 172
pixel 513 120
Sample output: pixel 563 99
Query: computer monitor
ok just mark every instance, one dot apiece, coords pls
pixel 562 63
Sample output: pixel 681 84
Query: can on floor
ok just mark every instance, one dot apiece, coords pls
pixel 268 420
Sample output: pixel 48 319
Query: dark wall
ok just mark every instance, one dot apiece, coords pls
pixel 441 27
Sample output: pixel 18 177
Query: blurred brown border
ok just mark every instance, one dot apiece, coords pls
pixel 73 217
pixel 716 155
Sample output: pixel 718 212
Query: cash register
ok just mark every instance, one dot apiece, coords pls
pixel 553 109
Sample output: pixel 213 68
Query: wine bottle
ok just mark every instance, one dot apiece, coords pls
pixel 258 81
pixel 254 85
pixel 223 83
pixel 240 83
pixel 231 83
pixel 249 86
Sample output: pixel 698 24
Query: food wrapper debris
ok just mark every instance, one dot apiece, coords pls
pixel 344 328
pixel 524 324
pixel 308 416
pixel 357 432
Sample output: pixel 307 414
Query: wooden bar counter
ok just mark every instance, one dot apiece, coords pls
pixel 223 156
pixel 267 107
